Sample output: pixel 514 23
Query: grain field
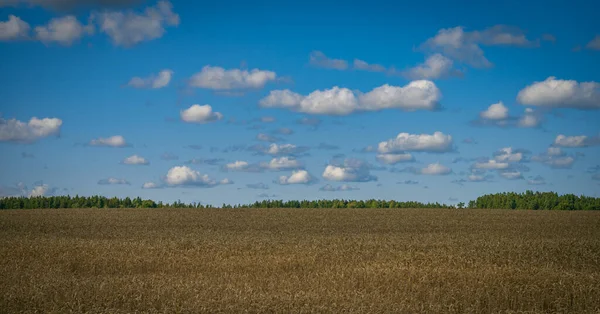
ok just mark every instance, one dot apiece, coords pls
pixel 299 260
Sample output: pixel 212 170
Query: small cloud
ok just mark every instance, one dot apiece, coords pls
pixel 319 59
pixel 200 114
pixel 343 187
pixel 113 141
pixel 160 80
pixel 135 160
pixel 113 181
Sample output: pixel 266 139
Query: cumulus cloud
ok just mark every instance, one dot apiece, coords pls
pixel 343 187
pixel 113 181
pixel 554 157
pixel 279 149
pixel 14 29
pixel 465 46
pixel 530 119
pixel 431 169
pixel 435 66
pixel 297 177
pixel 153 81
pixel 392 159
pixel 185 176
pixel 437 142
pixel 282 163
pixel 364 66
pixel 14 130
pixel 217 78
pixel 237 165
pixel 351 170
pixel 497 114
pixel 319 59
pixel 135 160
pixel 495 111
pixel 64 30
pixel 130 28
pixel 257 186
pixel 41 190
pixel 113 141
pixel 200 114
pixel 417 95
pixel 508 154
pixel 491 165
pixel 556 93
pixel 594 44
pixel 511 174
pixel 576 141
pixel 150 185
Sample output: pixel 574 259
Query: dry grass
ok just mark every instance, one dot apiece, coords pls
pixel 321 260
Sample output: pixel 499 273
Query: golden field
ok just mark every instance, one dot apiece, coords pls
pixel 299 260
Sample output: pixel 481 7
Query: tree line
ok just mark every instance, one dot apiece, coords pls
pixel 526 200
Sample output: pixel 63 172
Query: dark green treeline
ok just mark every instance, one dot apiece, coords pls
pixel 527 200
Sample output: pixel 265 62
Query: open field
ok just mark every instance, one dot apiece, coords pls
pixel 299 260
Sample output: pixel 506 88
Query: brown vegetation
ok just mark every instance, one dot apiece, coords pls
pixel 299 260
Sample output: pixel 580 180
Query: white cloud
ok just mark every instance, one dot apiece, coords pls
pixel 14 29
pixel 435 66
pixel 113 181
pixel 436 169
pixel 574 141
pixel 594 44
pixel 64 30
pixel 352 170
pixel 130 28
pixel 150 185
pixel 113 141
pixel 392 159
pixel 282 163
pixel 511 175
pixel 226 181
pixel 218 78
pixel 40 190
pixel 507 154
pixel 476 178
pixel 185 176
pixel 343 187
pixel 438 142
pixel 238 165
pixel 495 111
pixel 297 177
pixel 491 165
pixel 200 114
pixel 153 81
pixel 135 160
pixel 464 46
pixel 554 157
pixel 530 119
pixel 364 66
pixel 14 130
pixel 283 149
pixel 319 59
pixel 555 93
pixel 417 95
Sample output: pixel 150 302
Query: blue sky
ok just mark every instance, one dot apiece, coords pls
pixel 185 100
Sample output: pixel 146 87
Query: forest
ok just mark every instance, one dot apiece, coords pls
pixel 527 200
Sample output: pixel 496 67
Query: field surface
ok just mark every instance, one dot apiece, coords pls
pixel 299 260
